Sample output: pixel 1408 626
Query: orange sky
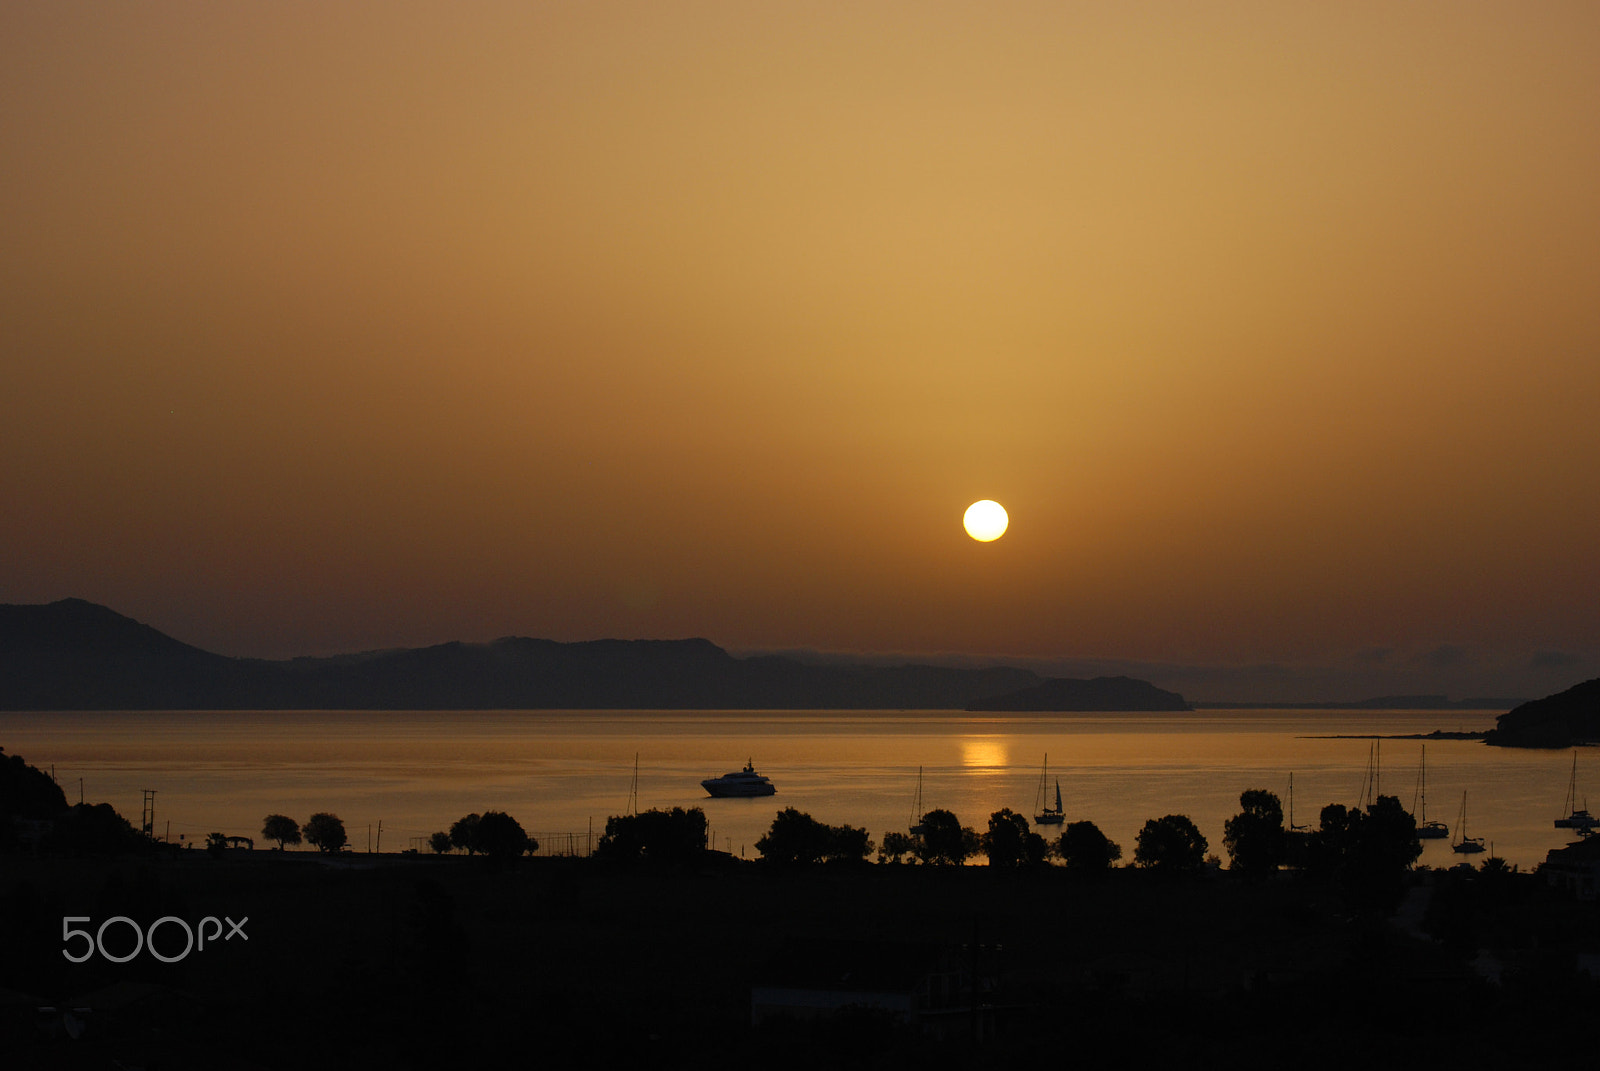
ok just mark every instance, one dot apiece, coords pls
pixel 1275 327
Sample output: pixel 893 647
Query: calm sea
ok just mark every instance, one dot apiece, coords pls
pixel 561 773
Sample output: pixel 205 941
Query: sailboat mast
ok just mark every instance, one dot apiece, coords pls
pixel 1423 783
pixel 633 787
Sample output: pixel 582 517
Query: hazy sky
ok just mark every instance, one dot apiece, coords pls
pixel 1275 326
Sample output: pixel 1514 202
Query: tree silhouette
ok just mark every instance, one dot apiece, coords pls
pixel 440 843
pixel 944 841
pixel 1010 842
pixel 797 838
pixel 501 837
pixel 1389 839
pixel 896 846
pixel 1367 853
pixel 463 833
pixel 1333 843
pixel 1084 847
pixel 1170 843
pixel 849 844
pixel 675 835
pixel 281 828
pixel 1255 837
pixel 324 832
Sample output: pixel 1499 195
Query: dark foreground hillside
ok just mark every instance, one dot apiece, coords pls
pixel 422 962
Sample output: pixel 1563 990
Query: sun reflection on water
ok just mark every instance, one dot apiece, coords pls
pixel 983 751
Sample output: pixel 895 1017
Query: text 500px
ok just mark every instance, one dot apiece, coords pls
pixel 194 938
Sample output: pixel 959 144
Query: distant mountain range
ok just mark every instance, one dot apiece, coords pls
pixel 1383 702
pixel 75 655
pixel 1100 693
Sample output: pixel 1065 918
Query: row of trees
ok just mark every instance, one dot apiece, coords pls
pixel 796 838
pixel 1368 850
pixel 493 833
pixel 940 839
pixel 323 831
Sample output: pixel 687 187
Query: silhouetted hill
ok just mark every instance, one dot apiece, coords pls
pixel 1560 720
pixel 1382 702
pixel 1099 693
pixel 26 792
pixel 74 655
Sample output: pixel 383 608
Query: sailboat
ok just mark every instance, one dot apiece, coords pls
pixel 916 807
pixel 1370 784
pixel 1044 814
pixel 1426 830
pixel 1577 818
pixel 1465 844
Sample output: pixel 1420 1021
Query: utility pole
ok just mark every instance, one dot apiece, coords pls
pixel 380 836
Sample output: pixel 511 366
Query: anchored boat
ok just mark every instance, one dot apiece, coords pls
pixel 1465 844
pixel 744 782
pixel 1044 814
pixel 1427 830
pixel 1577 817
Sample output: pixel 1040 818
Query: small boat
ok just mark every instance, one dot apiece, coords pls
pixel 1426 830
pixel 1464 844
pixel 1044 814
pixel 744 782
pixel 1577 818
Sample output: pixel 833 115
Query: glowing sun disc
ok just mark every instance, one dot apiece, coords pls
pixel 985 521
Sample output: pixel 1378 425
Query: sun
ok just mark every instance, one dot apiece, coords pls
pixel 986 521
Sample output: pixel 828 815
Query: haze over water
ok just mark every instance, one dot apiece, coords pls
pixel 556 771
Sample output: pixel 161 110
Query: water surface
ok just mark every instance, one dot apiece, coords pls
pixel 562 773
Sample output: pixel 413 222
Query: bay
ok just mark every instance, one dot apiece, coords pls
pixel 562 773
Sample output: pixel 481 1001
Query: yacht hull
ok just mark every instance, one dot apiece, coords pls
pixel 713 788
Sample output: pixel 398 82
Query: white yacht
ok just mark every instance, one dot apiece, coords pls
pixel 744 782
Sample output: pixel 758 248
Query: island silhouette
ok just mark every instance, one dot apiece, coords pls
pixel 77 655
